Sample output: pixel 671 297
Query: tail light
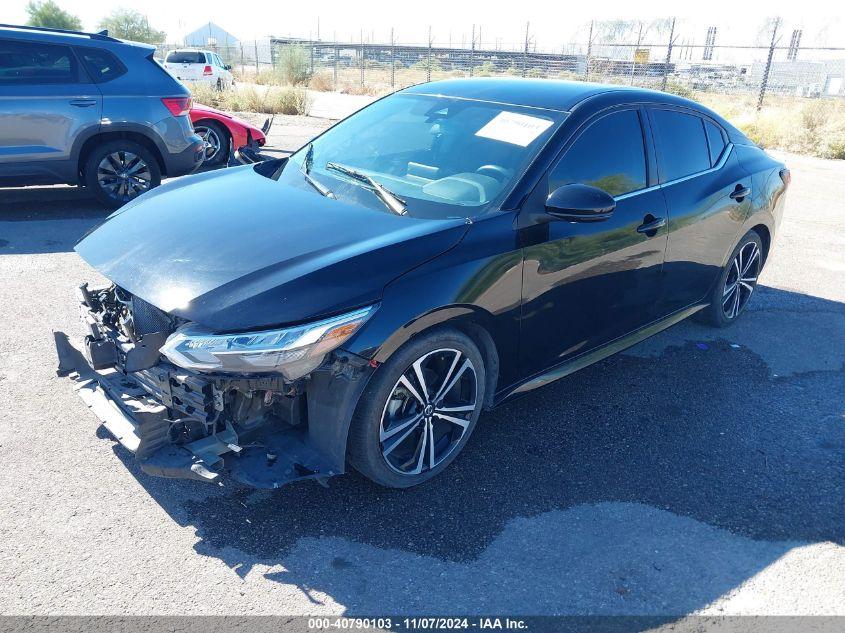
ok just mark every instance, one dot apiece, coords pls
pixel 178 105
pixel 786 176
pixel 206 71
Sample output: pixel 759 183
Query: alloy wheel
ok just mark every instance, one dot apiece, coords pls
pixel 428 411
pixel 211 141
pixel 741 280
pixel 123 175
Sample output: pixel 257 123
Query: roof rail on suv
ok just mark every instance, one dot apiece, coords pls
pixel 102 35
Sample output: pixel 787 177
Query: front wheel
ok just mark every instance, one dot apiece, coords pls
pixel 419 410
pixel 736 283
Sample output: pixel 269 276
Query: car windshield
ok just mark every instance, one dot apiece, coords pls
pixel 442 157
pixel 185 57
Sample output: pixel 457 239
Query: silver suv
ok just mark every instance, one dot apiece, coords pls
pixel 89 109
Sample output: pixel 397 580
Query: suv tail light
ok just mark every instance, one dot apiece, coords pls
pixel 178 105
pixel 206 71
pixel 786 176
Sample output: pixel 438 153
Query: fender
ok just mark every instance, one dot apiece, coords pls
pixel 134 128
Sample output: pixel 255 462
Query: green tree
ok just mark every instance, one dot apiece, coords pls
pixel 129 24
pixel 50 15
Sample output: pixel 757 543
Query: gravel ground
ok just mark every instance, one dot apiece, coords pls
pixel 700 472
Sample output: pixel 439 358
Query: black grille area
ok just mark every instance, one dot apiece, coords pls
pixel 146 318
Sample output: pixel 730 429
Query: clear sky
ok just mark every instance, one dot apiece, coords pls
pixel 552 22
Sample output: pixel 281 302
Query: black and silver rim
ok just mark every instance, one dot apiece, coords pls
pixel 428 411
pixel 211 141
pixel 123 175
pixel 741 280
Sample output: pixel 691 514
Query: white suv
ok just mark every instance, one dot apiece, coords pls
pixel 193 65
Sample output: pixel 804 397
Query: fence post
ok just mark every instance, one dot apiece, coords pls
pixel 472 53
pixel 668 54
pixel 362 58
pixel 392 61
pixel 765 81
pixel 242 59
pixel 428 64
pixel 336 54
pixel 256 54
pixel 589 51
pixel 311 50
pixel 525 52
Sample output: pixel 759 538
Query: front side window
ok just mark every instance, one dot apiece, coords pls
pixel 101 65
pixel 609 155
pixel 681 144
pixel 31 63
pixel 444 157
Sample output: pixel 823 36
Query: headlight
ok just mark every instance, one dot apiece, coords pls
pixel 293 351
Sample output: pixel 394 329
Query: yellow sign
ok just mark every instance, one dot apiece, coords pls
pixel 641 55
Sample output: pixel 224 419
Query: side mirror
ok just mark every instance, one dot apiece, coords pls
pixel 227 67
pixel 580 203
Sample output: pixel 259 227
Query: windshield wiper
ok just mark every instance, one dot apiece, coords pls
pixel 389 199
pixel 305 168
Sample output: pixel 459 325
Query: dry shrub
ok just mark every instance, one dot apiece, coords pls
pixel 270 100
pixel 323 82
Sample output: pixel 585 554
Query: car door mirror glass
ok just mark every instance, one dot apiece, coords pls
pixel 580 203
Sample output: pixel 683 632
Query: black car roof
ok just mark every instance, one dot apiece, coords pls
pixel 549 94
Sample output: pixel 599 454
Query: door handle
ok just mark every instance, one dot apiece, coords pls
pixel 83 103
pixel 740 192
pixel 650 225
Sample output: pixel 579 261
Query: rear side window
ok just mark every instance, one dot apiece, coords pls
pixel 716 141
pixel 681 144
pixel 185 57
pixel 32 63
pixel 609 155
pixel 101 65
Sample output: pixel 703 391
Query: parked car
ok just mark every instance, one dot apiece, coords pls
pixel 223 133
pixel 441 251
pixel 190 65
pixel 88 109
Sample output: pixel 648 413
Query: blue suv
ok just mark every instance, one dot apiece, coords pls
pixel 89 109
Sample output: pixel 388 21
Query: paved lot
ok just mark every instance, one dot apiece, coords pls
pixel 702 471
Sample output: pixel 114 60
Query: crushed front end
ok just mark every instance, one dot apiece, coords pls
pixel 263 429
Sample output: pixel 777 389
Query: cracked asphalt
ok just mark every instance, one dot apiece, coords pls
pixel 701 472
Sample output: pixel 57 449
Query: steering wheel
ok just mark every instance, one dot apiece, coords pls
pixel 494 171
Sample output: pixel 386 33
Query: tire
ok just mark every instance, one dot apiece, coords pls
pixel 219 85
pixel 216 138
pixel 385 444
pixel 726 306
pixel 106 165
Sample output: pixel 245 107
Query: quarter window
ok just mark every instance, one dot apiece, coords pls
pixel 715 140
pixel 101 65
pixel 609 155
pixel 681 143
pixel 27 62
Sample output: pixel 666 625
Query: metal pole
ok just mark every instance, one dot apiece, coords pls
pixel 336 54
pixel 634 61
pixel 311 51
pixel 256 53
pixel 768 65
pixel 242 58
pixel 668 54
pixel 362 58
pixel 428 65
pixel 525 52
pixel 472 53
pixel 589 50
pixel 392 60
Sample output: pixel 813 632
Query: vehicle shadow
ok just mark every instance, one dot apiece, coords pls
pixel 647 484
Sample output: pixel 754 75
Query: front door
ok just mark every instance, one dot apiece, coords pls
pixel 587 283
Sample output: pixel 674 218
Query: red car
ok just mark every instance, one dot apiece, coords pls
pixel 224 134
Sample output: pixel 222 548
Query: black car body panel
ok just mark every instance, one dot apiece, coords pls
pixel 540 296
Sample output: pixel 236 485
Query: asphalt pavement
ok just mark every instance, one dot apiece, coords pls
pixel 702 471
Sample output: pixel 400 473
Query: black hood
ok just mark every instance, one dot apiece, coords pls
pixel 234 250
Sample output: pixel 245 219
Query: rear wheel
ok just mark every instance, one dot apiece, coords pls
pixel 119 171
pixel 737 282
pixel 419 410
pixel 216 142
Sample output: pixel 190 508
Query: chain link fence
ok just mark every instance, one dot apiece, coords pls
pixel 772 62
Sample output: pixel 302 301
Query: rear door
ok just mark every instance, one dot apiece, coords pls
pixel 46 102
pixel 587 283
pixel 699 172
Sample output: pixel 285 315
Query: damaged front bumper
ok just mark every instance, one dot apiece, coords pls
pixel 262 431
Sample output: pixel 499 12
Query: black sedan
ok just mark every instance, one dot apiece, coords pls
pixel 446 248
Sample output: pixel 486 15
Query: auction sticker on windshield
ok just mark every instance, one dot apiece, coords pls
pixel 517 129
